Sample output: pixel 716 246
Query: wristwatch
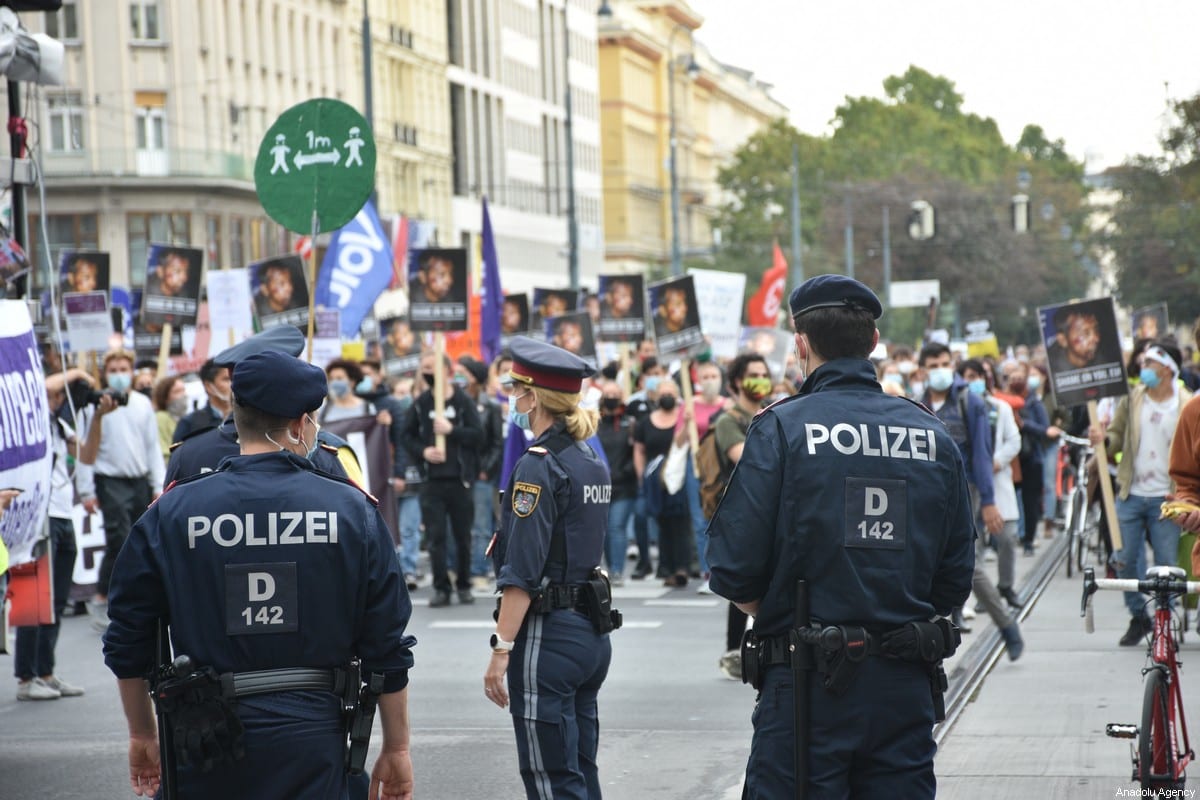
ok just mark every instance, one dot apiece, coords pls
pixel 501 646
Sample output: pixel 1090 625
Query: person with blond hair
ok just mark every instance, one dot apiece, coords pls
pixel 551 649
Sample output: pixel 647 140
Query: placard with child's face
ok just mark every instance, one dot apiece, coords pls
pixel 437 290
pixel 172 292
pixel 573 333
pixel 514 317
pixel 1150 322
pixel 1083 351
pixel 84 272
pixel 770 343
pixel 401 346
pixel 280 291
pixel 549 303
pixel 676 315
pixel 622 311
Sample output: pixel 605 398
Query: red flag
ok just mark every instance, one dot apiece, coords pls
pixel 399 253
pixel 763 310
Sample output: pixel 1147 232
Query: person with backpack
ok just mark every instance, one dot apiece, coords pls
pixel 966 420
pixel 749 384
pixel 707 404
pixel 653 436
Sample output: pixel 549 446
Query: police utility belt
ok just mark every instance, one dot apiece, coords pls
pixel 199 705
pixel 836 651
pixel 592 598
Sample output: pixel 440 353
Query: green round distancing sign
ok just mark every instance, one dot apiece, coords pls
pixel 317 160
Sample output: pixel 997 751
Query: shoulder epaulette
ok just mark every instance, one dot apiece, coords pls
pixel 778 402
pixel 328 448
pixel 180 481
pixel 340 479
pixel 174 445
pixel 195 432
pixel 538 450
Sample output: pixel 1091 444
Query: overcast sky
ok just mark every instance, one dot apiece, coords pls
pixel 1088 71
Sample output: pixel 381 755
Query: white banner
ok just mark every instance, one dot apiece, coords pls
pixel 25 453
pixel 229 305
pixel 720 296
pixel 914 294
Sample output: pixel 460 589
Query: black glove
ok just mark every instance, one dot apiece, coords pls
pixel 915 641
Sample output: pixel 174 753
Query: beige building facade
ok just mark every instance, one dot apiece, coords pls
pixel 653 67
pixel 153 137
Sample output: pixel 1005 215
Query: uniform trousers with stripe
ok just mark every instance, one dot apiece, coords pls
pixel 554 676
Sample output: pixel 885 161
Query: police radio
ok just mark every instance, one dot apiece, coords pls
pixel 597 594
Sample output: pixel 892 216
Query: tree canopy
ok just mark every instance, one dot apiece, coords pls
pixel 917 143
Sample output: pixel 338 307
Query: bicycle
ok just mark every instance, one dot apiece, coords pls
pixel 1163 749
pixel 1081 521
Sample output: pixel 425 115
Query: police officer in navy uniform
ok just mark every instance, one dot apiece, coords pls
pixel 203 450
pixel 863 496
pixel 267 566
pixel 548 657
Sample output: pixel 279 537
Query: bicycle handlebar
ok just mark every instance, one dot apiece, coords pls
pixel 1169 585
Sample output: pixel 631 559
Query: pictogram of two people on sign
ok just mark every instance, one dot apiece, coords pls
pixel 353 144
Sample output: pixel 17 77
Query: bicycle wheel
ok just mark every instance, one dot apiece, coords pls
pixel 1074 528
pixel 1156 751
pixel 1089 538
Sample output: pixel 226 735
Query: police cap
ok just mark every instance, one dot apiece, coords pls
pixel 281 338
pixel 541 364
pixel 278 384
pixel 833 291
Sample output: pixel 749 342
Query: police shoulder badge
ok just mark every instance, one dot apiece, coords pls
pixel 525 498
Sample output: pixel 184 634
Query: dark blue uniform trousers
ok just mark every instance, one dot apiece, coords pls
pixel 876 740
pixel 295 750
pixel 554 676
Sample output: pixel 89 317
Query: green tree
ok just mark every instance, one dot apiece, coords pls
pixel 916 143
pixel 1154 233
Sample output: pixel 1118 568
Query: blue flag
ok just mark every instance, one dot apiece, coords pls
pixel 356 270
pixel 493 298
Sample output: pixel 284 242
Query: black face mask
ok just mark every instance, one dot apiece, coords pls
pixel 428 378
pixel 667 402
pixel 611 405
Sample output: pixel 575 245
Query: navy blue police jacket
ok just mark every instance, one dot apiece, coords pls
pixel 559 489
pixel 203 451
pixel 861 494
pixel 264 564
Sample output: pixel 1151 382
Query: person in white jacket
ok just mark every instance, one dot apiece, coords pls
pixel 1005 447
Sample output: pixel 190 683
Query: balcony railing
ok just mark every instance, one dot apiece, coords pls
pixel 149 163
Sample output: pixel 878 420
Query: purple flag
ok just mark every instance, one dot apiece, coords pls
pixel 489 307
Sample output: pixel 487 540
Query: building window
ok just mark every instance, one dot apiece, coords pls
pixel 151 125
pixel 157 228
pixel 65 121
pixel 143 20
pixel 64 23
pixel 237 242
pixel 212 236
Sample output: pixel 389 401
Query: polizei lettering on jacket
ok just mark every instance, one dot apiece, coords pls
pixel 264 530
pixel 865 439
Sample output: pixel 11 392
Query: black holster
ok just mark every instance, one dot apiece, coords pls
pixel 838 665
pixel 597 602
pixel 200 710
pixel 361 717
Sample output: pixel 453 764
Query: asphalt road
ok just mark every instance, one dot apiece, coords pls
pixel 671 726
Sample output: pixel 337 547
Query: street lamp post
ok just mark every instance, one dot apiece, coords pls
pixel 692 70
pixel 572 222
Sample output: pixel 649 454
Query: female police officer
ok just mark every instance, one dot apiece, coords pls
pixel 554 653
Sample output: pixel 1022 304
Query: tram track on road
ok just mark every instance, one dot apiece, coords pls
pixel 984 653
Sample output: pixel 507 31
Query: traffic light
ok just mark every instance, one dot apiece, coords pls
pixel 922 221
pixel 1020 213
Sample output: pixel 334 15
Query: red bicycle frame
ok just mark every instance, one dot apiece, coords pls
pixel 1162 652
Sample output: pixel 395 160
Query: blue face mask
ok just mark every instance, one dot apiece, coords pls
pixel 892 377
pixel 652 383
pixel 1149 377
pixel 977 386
pixel 119 381
pixel 518 418
pixel 460 381
pixel 1034 383
pixel 941 378
pixel 338 388
pixel 364 386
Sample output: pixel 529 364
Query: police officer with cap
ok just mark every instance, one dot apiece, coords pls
pixel 551 650
pixel 863 497
pixel 275 576
pixel 203 450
